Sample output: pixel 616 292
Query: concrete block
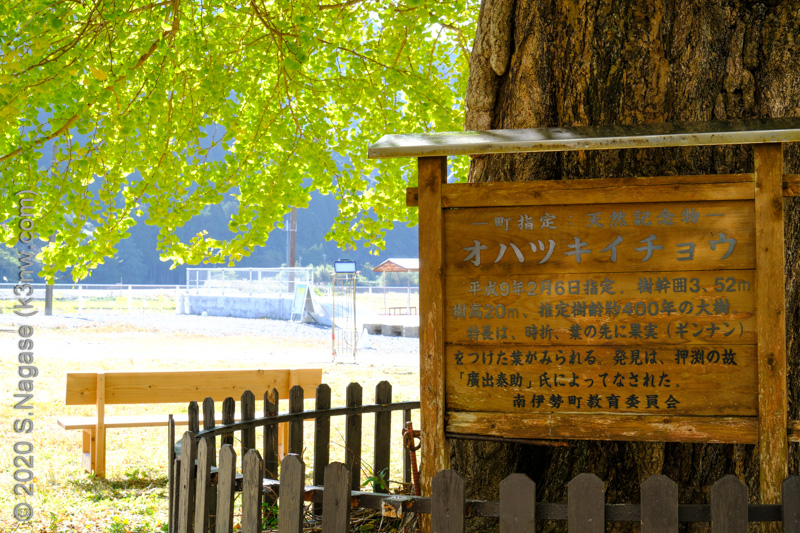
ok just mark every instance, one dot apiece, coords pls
pixel 411 331
pixel 392 330
pixel 374 329
pixel 276 308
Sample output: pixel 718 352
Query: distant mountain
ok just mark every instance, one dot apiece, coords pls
pixel 137 260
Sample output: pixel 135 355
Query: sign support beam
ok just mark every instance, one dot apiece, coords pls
pixel 771 321
pixel 432 174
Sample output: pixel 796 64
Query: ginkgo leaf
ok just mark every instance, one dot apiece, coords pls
pixel 98 73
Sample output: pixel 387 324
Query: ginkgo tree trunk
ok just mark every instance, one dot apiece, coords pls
pixel 597 62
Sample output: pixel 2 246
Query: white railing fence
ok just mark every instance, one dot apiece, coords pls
pixel 87 297
pixel 119 298
pixel 389 300
pixel 246 281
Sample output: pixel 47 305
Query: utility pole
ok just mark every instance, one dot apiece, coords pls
pixel 292 238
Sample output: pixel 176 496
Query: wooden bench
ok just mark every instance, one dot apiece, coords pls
pixel 145 387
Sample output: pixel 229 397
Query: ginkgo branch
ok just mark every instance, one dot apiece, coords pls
pixel 339 6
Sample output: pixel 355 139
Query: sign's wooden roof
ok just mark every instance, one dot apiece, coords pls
pixel 754 131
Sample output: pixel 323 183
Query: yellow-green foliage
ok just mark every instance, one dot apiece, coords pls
pixel 203 98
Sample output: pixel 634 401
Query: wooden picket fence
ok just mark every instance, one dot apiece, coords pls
pixel 517 510
pixel 202 494
pixel 186 473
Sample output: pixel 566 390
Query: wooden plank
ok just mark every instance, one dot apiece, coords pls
pixel 632 237
pixel 452 195
pixel 771 304
pixel 412 197
pixel 730 430
pixel 516 194
pixel 148 387
pixel 99 448
pixel 88 443
pixel 228 408
pixel 432 173
pixel 248 413
pixel 729 506
pixel 202 509
pixel 133 421
pixel 270 436
pixel 186 498
pixel 209 422
pixel 586 504
pixel 283 429
pixel 664 380
pixel 87 460
pixel 352 435
pixel 251 491
pixel 571 191
pixel 383 423
pixel 447 502
pixel 517 504
pixel 527 186
pixel 336 504
pixel 791 505
pixel 659 505
pixel 175 491
pixel 606 137
pixel 296 405
pixel 194 417
pixel 602 308
pixel 170 470
pixel 293 474
pixel 225 488
pixel 322 438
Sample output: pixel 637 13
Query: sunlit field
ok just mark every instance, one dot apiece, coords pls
pixel 133 498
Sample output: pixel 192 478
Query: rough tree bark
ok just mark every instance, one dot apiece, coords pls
pixel 587 62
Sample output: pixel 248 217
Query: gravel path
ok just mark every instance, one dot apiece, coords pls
pixel 272 340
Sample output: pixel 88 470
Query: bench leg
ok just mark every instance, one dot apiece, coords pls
pixel 87 457
pixel 99 449
pixel 99 454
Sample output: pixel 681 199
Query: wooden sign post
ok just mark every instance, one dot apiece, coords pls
pixel 617 309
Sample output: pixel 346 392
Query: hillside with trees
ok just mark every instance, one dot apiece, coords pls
pixel 137 259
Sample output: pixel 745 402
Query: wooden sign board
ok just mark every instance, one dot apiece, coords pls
pixel 614 309
pixel 641 308
pixel 636 309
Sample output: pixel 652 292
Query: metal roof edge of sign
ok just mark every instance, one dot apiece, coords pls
pixel 753 131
